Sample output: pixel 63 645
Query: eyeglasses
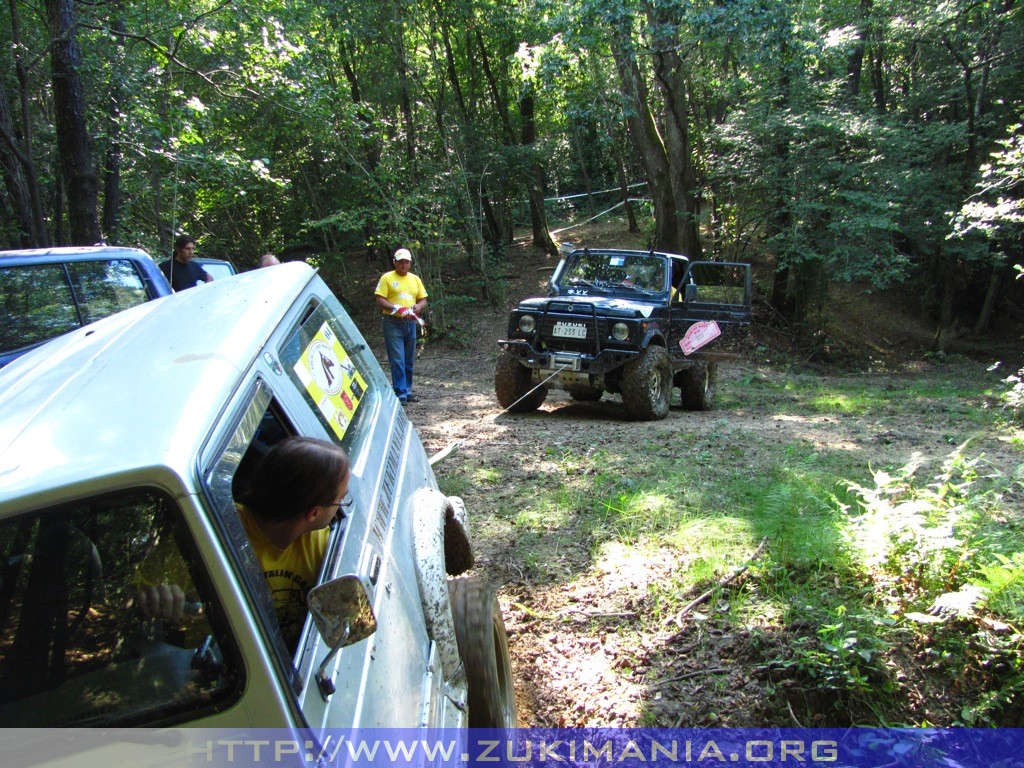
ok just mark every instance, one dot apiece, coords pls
pixel 344 505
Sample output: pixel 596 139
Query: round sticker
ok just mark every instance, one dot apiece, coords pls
pixel 325 367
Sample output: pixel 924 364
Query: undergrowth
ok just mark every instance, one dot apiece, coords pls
pixel 946 558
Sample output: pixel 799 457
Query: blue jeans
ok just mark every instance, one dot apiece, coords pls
pixel 400 340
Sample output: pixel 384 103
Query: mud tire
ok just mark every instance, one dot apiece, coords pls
pixel 483 646
pixel 512 382
pixel 647 384
pixel 697 386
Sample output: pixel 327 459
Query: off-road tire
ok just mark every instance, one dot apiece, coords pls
pixel 585 394
pixel 512 382
pixel 483 646
pixel 697 386
pixel 647 384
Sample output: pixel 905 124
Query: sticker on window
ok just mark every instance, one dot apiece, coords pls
pixel 331 379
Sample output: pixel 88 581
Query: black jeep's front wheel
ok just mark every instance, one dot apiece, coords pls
pixel 647 384
pixel 513 387
pixel 697 386
pixel 483 646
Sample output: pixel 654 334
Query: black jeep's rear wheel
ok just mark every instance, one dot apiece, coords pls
pixel 697 386
pixel 647 384
pixel 512 383
pixel 483 646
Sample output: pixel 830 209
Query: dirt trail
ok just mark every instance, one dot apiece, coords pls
pixel 584 652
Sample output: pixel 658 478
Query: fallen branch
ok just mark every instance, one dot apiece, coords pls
pixel 723 582
pixel 695 673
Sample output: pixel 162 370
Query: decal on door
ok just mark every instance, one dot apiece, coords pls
pixel 699 334
pixel 331 379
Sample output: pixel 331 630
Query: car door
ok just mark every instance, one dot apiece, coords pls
pixel 316 376
pixel 711 309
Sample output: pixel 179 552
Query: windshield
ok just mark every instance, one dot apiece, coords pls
pixel 612 272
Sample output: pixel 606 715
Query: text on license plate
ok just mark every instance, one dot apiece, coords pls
pixel 570 330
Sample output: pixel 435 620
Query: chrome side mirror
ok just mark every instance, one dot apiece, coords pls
pixel 690 292
pixel 342 614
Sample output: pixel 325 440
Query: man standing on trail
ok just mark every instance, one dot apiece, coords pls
pixel 402 299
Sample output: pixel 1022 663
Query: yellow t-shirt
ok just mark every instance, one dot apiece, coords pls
pixel 290 572
pixel 403 291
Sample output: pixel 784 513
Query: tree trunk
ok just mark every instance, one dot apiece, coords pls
pixel 784 297
pixel 404 88
pixel 995 282
pixel 72 134
pixel 677 141
pixel 112 156
pixel 500 105
pixel 14 178
pixel 538 218
pixel 620 173
pixel 40 234
pixel 648 142
pixel 855 63
pixel 671 78
pixel 946 330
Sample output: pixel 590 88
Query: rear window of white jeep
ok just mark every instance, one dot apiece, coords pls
pixel 74 648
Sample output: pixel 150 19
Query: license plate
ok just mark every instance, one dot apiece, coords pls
pixel 570 330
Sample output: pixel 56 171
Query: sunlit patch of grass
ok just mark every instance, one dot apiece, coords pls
pixel 487 475
pixel 838 402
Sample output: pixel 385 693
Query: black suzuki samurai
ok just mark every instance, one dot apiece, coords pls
pixel 636 323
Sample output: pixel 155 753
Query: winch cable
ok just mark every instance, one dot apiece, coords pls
pixel 449 449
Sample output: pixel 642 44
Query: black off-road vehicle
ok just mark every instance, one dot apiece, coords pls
pixel 636 323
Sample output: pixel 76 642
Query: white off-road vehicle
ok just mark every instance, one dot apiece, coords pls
pixel 128 435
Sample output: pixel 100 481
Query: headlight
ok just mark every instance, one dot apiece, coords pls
pixel 527 323
pixel 620 331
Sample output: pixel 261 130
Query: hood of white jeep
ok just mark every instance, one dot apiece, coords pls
pixel 582 305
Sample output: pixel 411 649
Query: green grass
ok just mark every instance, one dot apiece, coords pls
pixel 845 578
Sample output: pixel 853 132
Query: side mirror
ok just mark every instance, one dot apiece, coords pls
pixel 690 292
pixel 342 614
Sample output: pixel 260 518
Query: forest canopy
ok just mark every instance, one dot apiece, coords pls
pixel 876 141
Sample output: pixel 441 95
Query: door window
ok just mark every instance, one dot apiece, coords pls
pixel 37 301
pixel 331 366
pixel 35 305
pixel 105 287
pixel 75 648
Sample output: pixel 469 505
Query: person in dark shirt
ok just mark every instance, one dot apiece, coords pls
pixel 181 271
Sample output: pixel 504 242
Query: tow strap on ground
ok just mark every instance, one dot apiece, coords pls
pixel 453 446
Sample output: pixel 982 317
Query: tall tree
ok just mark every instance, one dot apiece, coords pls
pixel 77 168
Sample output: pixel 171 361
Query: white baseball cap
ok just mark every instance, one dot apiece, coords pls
pixel 402 254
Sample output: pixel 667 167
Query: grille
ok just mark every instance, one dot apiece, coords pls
pixel 587 345
pixel 390 478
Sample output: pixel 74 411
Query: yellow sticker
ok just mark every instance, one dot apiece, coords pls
pixel 331 379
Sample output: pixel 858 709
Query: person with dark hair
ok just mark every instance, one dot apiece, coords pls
pixel 293 494
pixel 181 272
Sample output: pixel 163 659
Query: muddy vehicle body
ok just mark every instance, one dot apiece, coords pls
pixel 634 323
pixel 122 446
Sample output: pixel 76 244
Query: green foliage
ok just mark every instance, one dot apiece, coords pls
pixel 1013 397
pixel 938 537
pixel 947 551
pixel 842 656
